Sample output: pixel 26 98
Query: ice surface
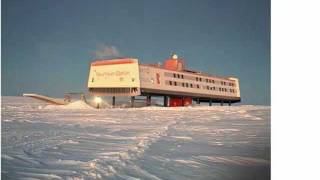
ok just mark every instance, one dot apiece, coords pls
pixel 41 141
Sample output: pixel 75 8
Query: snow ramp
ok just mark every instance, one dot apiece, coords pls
pixel 47 99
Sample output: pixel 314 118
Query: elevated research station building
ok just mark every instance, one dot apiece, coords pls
pixel 178 85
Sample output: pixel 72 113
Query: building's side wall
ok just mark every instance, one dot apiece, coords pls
pixel 114 75
pixel 115 78
pixel 173 81
pixel 237 85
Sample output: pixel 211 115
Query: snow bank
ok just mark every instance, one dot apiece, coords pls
pixel 74 105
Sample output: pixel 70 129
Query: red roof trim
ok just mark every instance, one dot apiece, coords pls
pixel 112 62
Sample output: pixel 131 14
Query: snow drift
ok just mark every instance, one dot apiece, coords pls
pixel 73 105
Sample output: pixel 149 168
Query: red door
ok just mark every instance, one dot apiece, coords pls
pixel 175 101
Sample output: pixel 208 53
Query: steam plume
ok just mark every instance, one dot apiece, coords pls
pixel 106 51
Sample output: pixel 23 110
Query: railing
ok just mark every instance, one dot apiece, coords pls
pixel 115 91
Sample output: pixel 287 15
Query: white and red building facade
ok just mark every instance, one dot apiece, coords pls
pixel 179 86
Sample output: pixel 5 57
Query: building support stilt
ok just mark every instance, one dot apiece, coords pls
pixel 198 101
pixel 229 103
pixel 132 101
pixel 182 99
pixel 210 102
pixel 221 103
pixel 165 101
pixel 113 101
pixel 148 100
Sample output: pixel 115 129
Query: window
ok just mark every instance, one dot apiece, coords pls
pixel 219 89
pixel 200 79
pixel 197 79
pixel 221 82
pixel 182 84
pixel 198 86
pixel 191 85
pixel 207 87
pixel 175 83
pixel 178 76
pixel 213 81
pixel 170 82
pixel 174 75
pixel 214 88
pixel 206 80
pixel 187 85
pixel 181 76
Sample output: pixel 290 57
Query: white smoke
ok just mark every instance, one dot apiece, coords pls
pixel 105 51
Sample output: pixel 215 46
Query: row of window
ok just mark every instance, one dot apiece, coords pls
pixel 224 83
pixel 221 89
pixel 174 83
pixel 213 81
pixel 226 90
pixel 178 76
pixel 187 85
pixel 181 76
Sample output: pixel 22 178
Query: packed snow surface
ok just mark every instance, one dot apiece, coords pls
pixel 75 141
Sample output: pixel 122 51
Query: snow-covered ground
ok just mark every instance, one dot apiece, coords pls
pixel 79 142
